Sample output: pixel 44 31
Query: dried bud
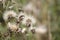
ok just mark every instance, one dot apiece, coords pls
pixel 21 17
pixel 33 31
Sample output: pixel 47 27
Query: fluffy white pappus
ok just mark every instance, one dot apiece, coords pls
pixel 42 29
pixel 33 20
pixel 12 26
pixel 9 13
pixel 23 30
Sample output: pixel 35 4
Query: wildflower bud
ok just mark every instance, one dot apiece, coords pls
pixel 17 22
pixel 28 25
pixel 21 17
pixel 33 31
pixel 28 22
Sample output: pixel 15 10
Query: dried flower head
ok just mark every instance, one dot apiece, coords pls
pixel 12 26
pixel 21 16
pixel 28 20
pixel 9 14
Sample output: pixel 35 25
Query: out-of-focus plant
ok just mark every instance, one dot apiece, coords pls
pixel 15 24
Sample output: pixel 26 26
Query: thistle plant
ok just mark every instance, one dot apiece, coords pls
pixel 15 26
pixel 20 24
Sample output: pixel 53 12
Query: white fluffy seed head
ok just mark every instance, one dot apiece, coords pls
pixel 12 26
pixel 9 13
pixel 42 29
pixel 21 14
pixel 30 19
